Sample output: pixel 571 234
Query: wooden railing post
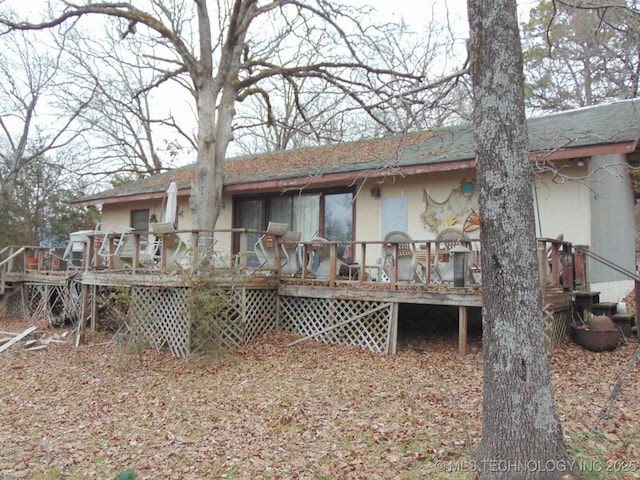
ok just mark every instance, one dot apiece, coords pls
pixel 244 250
pixel 333 263
pixel 542 265
pixel 3 278
pixel 363 262
pixel 568 278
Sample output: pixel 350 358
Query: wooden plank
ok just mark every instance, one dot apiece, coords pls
pixel 471 298
pixel 462 330
pixel 37 347
pixel 3 279
pixel 17 338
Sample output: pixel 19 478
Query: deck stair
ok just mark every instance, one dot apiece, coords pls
pixel 626 321
pixel 608 309
pixel 585 300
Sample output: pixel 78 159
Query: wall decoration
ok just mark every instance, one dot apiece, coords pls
pixel 455 209
pixel 472 223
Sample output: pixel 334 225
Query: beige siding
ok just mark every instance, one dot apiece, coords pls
pixel 563 207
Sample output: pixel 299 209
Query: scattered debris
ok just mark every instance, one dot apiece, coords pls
pixel 30 344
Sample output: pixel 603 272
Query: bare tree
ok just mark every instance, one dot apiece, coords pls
pixel 31 122
pixel 224 63
pixel 128 136
pixel 521 431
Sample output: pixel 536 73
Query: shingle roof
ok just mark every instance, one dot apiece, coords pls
pixel 608 124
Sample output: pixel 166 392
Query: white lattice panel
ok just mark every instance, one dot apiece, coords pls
pixel 248 313
pixel 225 327
pixel 74 302
pixel 159 316
pixel 15 304
pixel 364 324
pixel 261 312
pixel 47 303
pixel 556 327
pixel 233 319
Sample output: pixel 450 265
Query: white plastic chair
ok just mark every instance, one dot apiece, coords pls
pixel 399 248
pixel 267 245
pixel 290 264
pixel 320 259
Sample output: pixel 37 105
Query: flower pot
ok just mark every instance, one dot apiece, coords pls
pixel 596 341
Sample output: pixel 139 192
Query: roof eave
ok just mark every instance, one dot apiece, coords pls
pixel 586 151
pixel 355 175
pixel 135 197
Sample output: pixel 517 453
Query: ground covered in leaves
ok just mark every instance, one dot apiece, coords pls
pixel 269 410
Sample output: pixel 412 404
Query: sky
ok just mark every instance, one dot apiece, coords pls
pixel 415 13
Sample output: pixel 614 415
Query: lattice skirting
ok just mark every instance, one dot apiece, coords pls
pixel 54 304
pixel 366 324
pixel 14 305
pixel 556 327
pixel 245 314
pixel 160 317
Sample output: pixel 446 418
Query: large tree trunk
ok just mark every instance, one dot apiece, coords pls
pixel 521 432
pixel 206 189
pixel 216 97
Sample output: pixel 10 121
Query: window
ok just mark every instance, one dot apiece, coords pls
pixel 317 214
pixel 140 220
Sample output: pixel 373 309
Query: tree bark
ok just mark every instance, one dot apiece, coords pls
pixel 521 431
pixel 216 97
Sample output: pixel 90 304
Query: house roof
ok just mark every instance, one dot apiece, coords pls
pixel 597 130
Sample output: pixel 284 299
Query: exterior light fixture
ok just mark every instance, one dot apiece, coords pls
pixel 459 253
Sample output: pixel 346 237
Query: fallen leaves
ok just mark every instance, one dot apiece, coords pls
pixel 267 410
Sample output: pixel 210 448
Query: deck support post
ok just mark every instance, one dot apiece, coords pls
pixel 94 307
pixel 462 330
pixel 84 313
pixel 393 329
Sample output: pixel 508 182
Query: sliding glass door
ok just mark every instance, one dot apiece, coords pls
pixel 317 214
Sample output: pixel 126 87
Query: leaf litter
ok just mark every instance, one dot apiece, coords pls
pixel 269 410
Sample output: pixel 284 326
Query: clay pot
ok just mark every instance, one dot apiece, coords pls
pixel 601 323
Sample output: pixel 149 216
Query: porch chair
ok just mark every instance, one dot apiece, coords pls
pixel 267 245
pixel 446 239
pixel 290 259
pixel 397 241
pixel 175 247
pixel 126 249
pixel 149 255
pixel 103 235
pixel 320 259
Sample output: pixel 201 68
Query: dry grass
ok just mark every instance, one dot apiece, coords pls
pixel 310 411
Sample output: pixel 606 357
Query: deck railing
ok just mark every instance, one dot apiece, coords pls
pixel 228 250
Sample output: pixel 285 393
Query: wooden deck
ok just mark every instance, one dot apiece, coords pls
pixel 356 308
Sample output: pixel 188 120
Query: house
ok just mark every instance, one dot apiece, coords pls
pixel 421 183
